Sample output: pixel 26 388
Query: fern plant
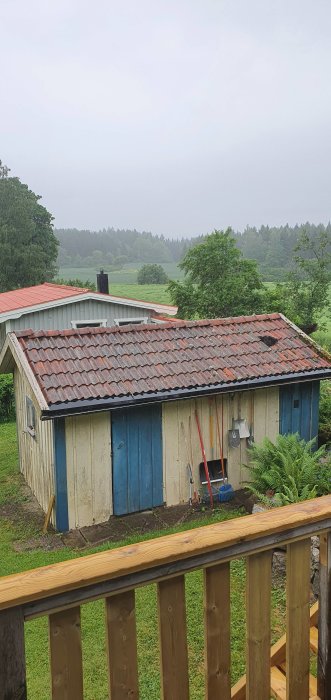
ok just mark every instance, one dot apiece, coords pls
pixel 288 470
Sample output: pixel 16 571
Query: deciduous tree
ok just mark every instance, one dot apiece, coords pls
pixel 27 241
pixel 218 280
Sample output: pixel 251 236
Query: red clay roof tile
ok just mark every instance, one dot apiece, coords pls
pixel 106 363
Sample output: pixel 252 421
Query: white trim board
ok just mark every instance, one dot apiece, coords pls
pixel 93 296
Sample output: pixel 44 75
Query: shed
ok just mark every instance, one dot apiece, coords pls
pixel 57 306
pixel 106 416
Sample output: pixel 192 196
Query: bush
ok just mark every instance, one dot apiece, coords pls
pixel 7 406
pixel 76 283
pixel 325 413
pixel 288 471
pixel 152 274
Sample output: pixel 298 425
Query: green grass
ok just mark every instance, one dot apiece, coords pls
pixel 127 275
pixel 93 628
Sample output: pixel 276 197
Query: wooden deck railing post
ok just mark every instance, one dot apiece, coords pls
pixel 217 632
pixel 122 646
pixel 66 655
pixel 324 620
pixel 173 639
pixel 12 655
pixel 297 619
pixel 258 610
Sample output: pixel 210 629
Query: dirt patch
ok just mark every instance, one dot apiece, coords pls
pixel 120 528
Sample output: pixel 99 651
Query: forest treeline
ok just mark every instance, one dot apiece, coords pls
pixel 272 247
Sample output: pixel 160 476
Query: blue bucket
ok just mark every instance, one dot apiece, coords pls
pixel 226 493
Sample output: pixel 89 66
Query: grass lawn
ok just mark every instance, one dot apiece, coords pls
pixel 93 628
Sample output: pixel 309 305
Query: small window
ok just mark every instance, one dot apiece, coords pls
pixel 296 403
pixel 101 323
pixel 126 321
pixel 30 417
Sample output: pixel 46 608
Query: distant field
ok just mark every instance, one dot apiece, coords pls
pixel 145 292
pixel 128 274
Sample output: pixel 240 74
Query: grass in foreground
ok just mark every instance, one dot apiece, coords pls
pixel 93 627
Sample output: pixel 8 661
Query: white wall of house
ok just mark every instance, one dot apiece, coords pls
pixel 36 453
pixel 89 468
pixel 62 316
pixel 261 410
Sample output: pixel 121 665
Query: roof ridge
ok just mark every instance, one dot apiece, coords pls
pixel 138 328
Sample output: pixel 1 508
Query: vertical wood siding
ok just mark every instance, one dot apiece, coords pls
pixel 36 453
pixel 260 408
pixel 60 317
pixel 89 478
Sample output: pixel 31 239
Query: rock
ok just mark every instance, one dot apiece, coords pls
pixel 278 568
pixel 258 508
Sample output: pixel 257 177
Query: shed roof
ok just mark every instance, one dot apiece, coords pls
pixel 28 299
pixel 100 367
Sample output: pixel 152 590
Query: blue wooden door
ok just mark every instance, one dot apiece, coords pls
pixel 137 459
pixel 299 409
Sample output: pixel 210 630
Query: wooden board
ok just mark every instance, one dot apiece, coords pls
pixel 12 655
pixel 217 632
pixel 66 655
pixel 258 611
pixel 173 639
pixel 297 620
pixel 105 566
pixel 122 646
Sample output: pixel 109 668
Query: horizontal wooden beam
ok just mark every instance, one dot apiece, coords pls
pixel 168 555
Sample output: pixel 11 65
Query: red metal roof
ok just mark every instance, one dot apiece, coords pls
pixel 49 292
pixel 39 294
pixel 105 363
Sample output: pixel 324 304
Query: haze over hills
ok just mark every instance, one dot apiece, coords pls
pixel 272 247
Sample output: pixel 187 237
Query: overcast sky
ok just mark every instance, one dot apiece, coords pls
pixel 174 116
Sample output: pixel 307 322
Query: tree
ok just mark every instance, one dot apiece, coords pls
pixel 218 281
pixel 152 274
pixel 306 290
pixel 76 283
pixel 27 241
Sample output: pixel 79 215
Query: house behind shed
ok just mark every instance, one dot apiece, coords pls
pixel 107 417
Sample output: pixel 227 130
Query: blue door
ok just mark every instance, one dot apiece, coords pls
pixel 299 406
pixel 137 459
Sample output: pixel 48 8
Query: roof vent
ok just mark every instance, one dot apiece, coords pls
pixel 268 340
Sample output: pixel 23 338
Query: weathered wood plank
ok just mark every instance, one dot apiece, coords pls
pixel 324 622
pixel 122 646
pixel 12 655
pixel 297 620
pixel 258 608
pixel 66 655
pixel 173 639
pixel 240 534
pixel 217 632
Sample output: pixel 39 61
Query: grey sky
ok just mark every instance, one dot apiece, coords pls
pixel 175 116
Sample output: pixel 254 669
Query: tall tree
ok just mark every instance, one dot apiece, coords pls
pixel 27 241
pixel 306 290
pixel 218 280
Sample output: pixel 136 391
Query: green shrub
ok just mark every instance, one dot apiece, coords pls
pixel 325 413
pixel 152 274
pixel 288 471
pixel 7 406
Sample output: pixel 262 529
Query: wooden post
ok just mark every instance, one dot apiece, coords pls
pixel 324 620
pixel 122 646
pixel 258 608
pixel 217 631
pixel 297 620
pixel 12 655
pixel 172 626
pixel 66 655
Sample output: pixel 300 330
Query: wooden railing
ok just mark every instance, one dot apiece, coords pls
pixel 60 589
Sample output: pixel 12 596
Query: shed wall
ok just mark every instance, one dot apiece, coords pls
pixel 261 410
pixel 60 317
pixel 36 454
pixel 89 469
